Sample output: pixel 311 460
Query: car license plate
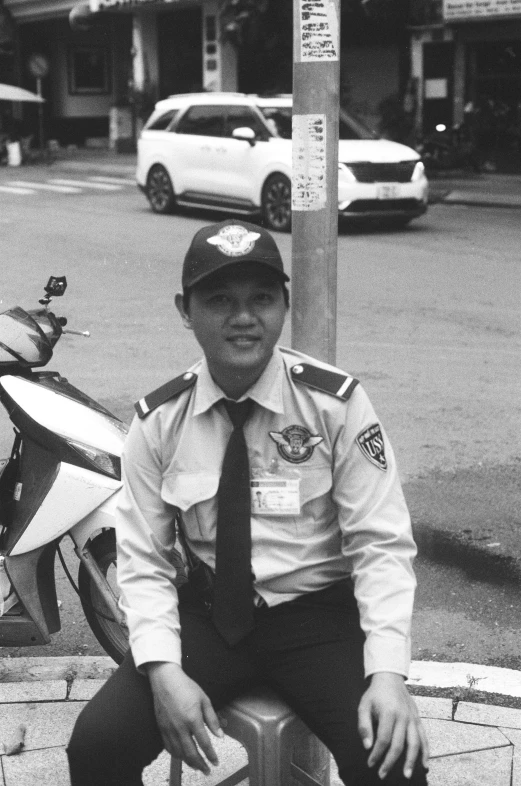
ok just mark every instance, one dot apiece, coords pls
pixel 388 191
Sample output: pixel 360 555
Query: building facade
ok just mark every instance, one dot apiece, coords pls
pixel 466 66
pixel 104 77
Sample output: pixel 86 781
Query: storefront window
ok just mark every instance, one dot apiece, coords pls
pixel 89 72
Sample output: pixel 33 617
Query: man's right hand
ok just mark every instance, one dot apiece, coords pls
pixel 183 713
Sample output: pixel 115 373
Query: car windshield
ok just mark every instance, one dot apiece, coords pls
pixel 278 119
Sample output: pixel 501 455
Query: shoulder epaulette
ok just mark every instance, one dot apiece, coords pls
pixel 164 393
pixel 333 382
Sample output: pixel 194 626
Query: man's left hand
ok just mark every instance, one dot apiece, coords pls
pixel 389 724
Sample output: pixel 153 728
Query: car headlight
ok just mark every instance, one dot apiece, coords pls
pixel 418 171
pixel 346 173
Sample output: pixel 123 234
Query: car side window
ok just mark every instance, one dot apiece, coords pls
pixel 164 121
pixel 202 121
pixel 244 117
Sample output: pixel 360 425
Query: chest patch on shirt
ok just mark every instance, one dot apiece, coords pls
pixel 295 443
pixel 371 443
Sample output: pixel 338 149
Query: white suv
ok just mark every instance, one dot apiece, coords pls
pixel 232 152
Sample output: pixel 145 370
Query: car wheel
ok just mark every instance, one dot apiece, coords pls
pixel 160 191
pixel 276 203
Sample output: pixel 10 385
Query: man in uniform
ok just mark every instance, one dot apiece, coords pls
pixel 297 536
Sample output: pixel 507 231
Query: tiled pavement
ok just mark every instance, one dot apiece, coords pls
pixel 471 744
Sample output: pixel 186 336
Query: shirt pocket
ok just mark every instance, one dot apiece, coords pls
pixel 316 506
pixel 194 494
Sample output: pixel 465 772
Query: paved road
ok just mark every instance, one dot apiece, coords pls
pixel 428 320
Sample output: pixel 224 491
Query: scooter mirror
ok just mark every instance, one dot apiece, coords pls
pixel 56 286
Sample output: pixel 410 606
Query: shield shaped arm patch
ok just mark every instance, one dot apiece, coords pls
pixel 371 443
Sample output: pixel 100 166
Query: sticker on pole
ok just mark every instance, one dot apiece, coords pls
pixel 309 187
pixel 319 36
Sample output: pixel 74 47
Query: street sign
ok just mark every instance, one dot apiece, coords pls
pixel 472 10
pixel 38 65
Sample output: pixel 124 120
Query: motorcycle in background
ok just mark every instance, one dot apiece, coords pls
pixel 62 479
pixel 450 148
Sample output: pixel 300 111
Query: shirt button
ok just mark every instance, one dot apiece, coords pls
pixel 188 375
pixel 297 369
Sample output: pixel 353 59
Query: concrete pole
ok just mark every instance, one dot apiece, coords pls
pixel 316 87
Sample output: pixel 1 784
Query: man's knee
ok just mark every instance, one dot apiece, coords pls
pixel 90 742
pixel 358 774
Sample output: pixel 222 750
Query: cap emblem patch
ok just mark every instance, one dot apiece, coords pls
pixel 371 443
pixel 234 240
pixel 295 443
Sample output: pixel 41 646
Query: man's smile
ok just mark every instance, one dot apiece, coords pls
pixel 243 340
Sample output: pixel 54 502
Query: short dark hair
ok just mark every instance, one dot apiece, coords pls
pixel 187 291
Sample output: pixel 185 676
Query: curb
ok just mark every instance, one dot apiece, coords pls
pixel 460 200
pixel 423 674
pixel 94 166
pixel 455 197
pixel 27 669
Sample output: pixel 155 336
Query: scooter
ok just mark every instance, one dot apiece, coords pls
pixel 62 478
pixel 450 148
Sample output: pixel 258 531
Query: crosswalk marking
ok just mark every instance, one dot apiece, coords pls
pixel 85 184
pixel 43 187
pixel 15 190
pixel 120 181
pixel 64 185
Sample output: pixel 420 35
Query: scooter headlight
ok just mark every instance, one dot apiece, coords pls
pixel 102 461
pixel 418 171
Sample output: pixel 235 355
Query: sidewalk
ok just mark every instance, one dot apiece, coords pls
pixel 472 743
pixel 456 188
pixel 482 190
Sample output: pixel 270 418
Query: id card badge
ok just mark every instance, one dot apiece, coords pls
pixel 275 494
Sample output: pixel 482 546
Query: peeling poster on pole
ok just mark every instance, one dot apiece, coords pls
pixel 309 190
pixel 319 35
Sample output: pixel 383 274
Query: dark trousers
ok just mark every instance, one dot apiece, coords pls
pixel 309 650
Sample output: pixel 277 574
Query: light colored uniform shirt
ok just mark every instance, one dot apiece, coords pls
pixel 353 518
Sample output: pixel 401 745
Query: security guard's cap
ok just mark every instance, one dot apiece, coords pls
pixel 230 242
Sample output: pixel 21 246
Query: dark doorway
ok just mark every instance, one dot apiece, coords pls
pixel 180 51
pixel 495 77
pixel 438 60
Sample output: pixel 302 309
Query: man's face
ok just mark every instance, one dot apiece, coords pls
pixel 237 317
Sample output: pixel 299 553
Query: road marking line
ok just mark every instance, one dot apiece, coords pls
pixel 85 184
pixel 44 187
pixel 120 181
pixel 13 190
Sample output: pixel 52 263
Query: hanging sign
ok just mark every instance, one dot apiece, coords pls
pixel 472 10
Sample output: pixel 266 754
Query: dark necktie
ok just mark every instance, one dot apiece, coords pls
pixel 233 590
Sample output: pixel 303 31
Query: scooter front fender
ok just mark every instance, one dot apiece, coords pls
pixel 73 494
pixel 103 517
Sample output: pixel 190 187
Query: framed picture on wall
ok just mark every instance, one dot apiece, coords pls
pixel 89 70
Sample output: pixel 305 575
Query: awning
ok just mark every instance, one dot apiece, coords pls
pixel 13 93
pixel 102 5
